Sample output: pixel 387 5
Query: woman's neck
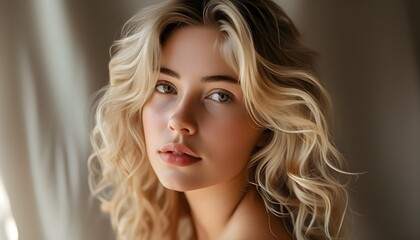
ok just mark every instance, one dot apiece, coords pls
pixel 212 207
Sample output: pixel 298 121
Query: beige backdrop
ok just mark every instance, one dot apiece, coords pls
pixel 54 54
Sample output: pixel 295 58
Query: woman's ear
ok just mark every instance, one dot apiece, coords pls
pixel 265 138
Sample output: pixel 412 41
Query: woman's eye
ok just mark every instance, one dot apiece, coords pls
pixel 220 97
pixel 165 88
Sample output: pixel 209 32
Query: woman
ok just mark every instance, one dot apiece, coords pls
pixel 215 126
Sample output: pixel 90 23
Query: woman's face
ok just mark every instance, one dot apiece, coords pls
pixel 197 130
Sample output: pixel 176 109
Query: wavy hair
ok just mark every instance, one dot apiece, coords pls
pixel 299 173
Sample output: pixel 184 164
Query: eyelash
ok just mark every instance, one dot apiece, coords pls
pixel 160 87
pixel 170 89
pixel 221 93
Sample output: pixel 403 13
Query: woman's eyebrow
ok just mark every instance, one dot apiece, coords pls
pixel 211 78
pixel 169 72
pixel 225 78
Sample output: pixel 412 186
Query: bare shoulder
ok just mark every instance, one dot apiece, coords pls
pixel 251 221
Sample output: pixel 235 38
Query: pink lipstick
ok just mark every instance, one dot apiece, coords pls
pixel 178 155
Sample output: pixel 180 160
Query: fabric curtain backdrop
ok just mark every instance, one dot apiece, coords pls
pixel 54 55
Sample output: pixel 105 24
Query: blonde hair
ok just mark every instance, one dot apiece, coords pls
pixel 298 173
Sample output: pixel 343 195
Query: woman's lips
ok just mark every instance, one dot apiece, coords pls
pixel 178 155
pixel 181 160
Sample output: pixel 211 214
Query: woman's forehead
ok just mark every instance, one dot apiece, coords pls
pixel 195 49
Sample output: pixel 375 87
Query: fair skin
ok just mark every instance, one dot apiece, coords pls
pixel 199 138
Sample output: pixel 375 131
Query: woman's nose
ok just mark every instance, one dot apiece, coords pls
pixel 183 119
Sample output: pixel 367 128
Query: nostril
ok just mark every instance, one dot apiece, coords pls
pixel 181 127
pixel 185 130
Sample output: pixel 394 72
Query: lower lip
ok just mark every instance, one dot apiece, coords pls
pixel 178 160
